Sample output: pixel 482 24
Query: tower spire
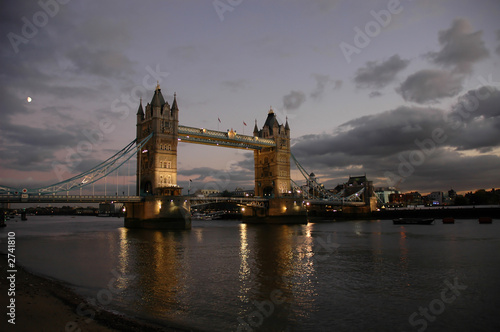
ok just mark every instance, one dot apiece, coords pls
pixel 174 103
pixel 140 111
pixel 255 129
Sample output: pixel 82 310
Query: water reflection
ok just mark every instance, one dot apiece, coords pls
pixel 221 273
pixel 123 260
pixel 244 272
pixel 377 249
pixel 403 256
pixel 277 269
pixel 155 258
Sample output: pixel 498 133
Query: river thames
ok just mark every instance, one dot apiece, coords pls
pixel 361 275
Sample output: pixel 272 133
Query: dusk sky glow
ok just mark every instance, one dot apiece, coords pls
pixel 407 92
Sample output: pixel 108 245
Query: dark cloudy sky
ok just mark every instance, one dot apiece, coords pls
pixel 407 92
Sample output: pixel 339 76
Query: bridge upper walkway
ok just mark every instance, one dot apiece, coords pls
pixel 220 138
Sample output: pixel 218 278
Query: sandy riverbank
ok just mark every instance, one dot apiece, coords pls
pixel 46 305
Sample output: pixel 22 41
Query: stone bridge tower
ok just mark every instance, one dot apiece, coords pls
pixel 272 164
pixel 157 160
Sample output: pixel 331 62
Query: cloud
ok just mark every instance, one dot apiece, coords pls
pixel 187 53
pixel 377 143
pixel 427 86
pixel 235 85
pixel 27 158
pixel 104 62
pixel 476 117
pixel 33 145
pixel 68 58
pixel 321 82
pixel 294 100
pixel 198 173
pixel 99 49
pixel 29 148
pixel 374 135
pixel 238 174
pixel 379 74
pixel 375 94
pixel 461 47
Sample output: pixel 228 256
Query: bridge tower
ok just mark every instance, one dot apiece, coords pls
pixel 157 161
pixel 272 177
pixel 162 206
pixel 272 164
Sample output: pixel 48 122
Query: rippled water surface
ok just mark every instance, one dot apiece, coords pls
pixel 227 276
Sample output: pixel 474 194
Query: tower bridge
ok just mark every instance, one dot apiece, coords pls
pixel 157 165
pixel 158 202
pixel 157 160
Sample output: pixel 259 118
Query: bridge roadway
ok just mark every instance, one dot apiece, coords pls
pixel 27 198
pixel 337 202
pixel 67 198
pixel 195 201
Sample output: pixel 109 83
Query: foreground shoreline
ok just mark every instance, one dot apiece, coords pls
pixel 43 304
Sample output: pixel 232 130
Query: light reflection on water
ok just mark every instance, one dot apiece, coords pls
pixel 360 275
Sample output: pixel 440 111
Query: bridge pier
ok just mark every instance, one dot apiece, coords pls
pixel 159 212
pixel 283 210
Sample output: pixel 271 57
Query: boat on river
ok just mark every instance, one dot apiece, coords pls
pixel 485 220
pixel 448 220
pixel 413 221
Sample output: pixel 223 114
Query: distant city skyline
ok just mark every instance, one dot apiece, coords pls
pixel 406 92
